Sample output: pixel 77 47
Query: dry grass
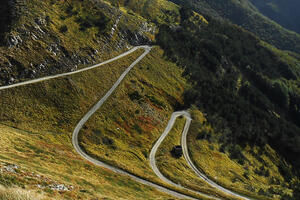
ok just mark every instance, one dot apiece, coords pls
pixel 133 125
pixel 18 194
pixel 48 112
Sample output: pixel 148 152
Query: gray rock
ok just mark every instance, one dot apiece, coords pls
pixel 14 40
pixel 10 168
pixel 60 187
pixel 40 21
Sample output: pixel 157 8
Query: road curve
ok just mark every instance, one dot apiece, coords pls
pixel 186 156
pixel 73 72
pixel 107 166
pixel 154 149
pixel 195 169
pixel 158 143
pixel 95 108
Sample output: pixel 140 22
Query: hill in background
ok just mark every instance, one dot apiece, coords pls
pixel 245 14
pixel 284 12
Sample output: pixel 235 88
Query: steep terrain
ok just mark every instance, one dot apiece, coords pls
pixel 54 37
pixel 44 114
pixel 249 90
pixel 284 12
pixel 243 95
pixel 245 14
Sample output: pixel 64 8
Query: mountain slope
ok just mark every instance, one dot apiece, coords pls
pixel 249 90
pixel 284 12
pixel 244 14
pixel 243 94
pixel 55 37
pixel 44 114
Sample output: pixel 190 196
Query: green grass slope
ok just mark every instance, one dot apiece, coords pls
pixel 258 177
pixel 177 169
pixel 157 11
pixel 37 120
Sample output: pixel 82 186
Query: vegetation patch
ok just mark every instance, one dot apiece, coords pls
pixel 250 101
pixel 246 170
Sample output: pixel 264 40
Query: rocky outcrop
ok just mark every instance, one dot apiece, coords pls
pixel 55 56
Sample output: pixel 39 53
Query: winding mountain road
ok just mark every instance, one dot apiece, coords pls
pixel 107 166
pixel 186 156
pixel 195 169
pixel 73 72
pixel 157 144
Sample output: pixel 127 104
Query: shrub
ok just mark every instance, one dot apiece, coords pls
pixel 262 171
pixel 176 152
pixel 97 132
pixel 222 148
pixel 156 101
pixel 63 29
pixel 246 174
pixel 137 128
pixel 204 134
pixel 236 153
pixel 108 141
pixel 285 171
pixel 90 19
pixel 135 96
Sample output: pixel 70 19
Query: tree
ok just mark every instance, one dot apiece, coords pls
pixel 185 13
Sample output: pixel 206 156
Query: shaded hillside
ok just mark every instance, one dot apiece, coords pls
pixel 6 18
pixel 284 12
pixel 243 13
pixel 249 91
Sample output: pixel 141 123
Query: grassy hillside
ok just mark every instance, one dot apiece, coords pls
pixel 18 194
pixel 244 14
pixel 177 169
pixel 227 73
pixel 157 11
pixel 124 130
pixel 44 116
pixel 259 175
pixel 37 120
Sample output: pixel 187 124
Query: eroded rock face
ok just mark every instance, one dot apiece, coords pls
pixel 14 41
pixel 54 56
pixel 136 39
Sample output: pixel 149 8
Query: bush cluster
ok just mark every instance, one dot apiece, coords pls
pixel 250 92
